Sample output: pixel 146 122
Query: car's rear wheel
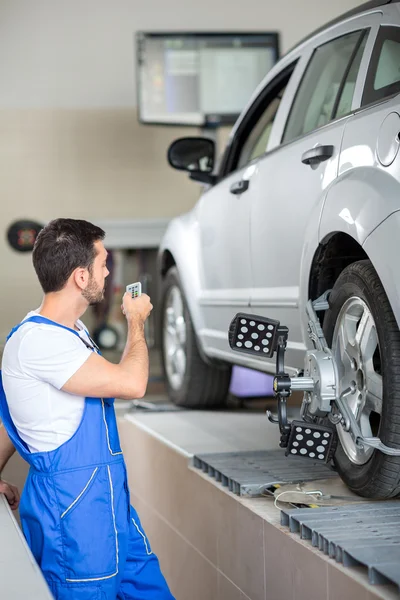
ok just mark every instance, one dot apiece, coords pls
pixel 191 382
pixel 362 331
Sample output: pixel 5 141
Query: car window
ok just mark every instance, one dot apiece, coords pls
pixel 383 77
pixel 322 90
pixel 253 133
pixel 345 99
pixel 256 143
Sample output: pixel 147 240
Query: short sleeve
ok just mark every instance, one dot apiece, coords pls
pixel 52 354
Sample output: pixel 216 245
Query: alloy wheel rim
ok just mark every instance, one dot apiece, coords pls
pixel 355 347
pixel 175 338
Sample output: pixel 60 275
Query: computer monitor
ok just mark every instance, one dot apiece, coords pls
pixel 200 79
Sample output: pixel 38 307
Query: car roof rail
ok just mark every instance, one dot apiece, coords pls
pixel 351 13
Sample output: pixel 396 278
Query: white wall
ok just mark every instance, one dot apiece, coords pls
pixel 79 53
pixel 70 143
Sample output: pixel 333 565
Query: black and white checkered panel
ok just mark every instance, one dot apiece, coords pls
pixel 310 440
pixel 253 334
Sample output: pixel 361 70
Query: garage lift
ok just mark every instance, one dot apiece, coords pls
pixel 364 534
pixel 314 435
pixel 348 529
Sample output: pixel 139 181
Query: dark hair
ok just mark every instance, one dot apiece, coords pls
pixel 62 246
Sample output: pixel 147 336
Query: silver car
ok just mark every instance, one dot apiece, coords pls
pixel 305 199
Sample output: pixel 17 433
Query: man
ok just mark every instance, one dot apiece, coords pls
pixel 56 409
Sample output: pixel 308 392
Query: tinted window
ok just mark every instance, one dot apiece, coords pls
pixel 256 143
pixel 323 92
pixel 251 138
pixel 383 77
pixel 345 100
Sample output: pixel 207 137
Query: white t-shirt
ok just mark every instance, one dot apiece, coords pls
pixel 37 361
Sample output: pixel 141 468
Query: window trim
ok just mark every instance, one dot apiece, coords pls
pixel 364 34
pixel 363 31
pixel 231 155
pixel 259 129
pixel 370 95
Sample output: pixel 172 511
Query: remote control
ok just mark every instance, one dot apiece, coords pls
pixel 135 289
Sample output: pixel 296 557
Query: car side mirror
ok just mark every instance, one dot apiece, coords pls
pixel 195 155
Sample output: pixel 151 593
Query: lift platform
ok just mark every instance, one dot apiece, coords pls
pixel 217 529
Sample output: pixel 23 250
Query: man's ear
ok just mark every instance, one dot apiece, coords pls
pixel 81 277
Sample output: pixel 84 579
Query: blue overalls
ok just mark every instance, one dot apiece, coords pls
pixel 76 514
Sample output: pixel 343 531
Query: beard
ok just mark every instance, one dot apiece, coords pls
pixel 93 294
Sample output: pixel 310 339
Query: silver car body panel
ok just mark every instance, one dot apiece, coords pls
pixel 383 247
pixel 254 252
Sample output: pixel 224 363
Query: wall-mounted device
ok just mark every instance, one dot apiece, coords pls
pixel 200 79
pixel 21 235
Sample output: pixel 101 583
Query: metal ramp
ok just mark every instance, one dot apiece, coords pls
pixel 251 473
pixel 366 534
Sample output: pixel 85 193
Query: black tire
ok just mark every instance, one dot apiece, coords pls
pixel 379 477
pixel 106 337
pixel 204 385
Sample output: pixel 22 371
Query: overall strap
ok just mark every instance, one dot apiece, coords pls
pixel 39 319
pixel 4 410
pixel 43 320
pixel 9 424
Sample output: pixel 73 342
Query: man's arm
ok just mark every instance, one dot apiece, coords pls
pixel 100 378
pixel 6 451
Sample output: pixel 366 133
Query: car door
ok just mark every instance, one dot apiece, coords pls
pixel 294 175
pixel 224 233
pixel 223 215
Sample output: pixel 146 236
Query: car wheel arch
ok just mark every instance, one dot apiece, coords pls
pixel 333 254
pixel 167 261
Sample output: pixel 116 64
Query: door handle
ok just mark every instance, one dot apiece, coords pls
pixel 317 155
pixel 239 187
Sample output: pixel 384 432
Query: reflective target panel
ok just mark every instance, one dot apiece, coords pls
pixel 21 235
pixel 253 334
pixel 311 440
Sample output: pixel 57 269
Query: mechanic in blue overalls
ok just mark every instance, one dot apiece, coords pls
pixel 57 413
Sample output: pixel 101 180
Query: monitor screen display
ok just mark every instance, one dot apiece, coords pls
pixel 200 79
